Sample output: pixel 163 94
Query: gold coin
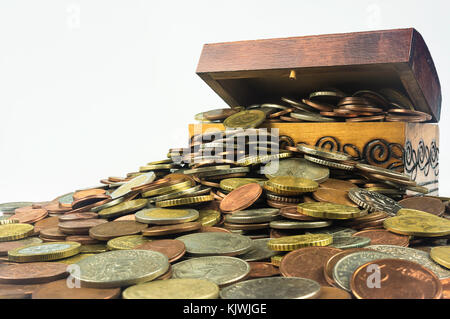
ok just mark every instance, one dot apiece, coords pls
pixel 164 161
pixel 185 201
pixel 155 167
pixel 230 184
pixel 123 208
pixel 420 226
pixel 126 242
pixel 173 289
pixel 289 243
pixel 413 212
pixel 276 260
pixel 93 248
pixel 44 251
pixel 9 232
pixel 168 189
pixel 165 216
pixel 245 119
pixel 292 184
pixel 441 255
pixel 208 217
pixel 329 210
pixel 136 181
pixel 74 259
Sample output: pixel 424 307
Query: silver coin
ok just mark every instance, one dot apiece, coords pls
pixel 344 242
pixel 10 207
pixel 421 257
pixel 165 216
pixel 251 216
pixel 221 270
pixel 126 187
pixel 120 268
pixel 215 244
pixel 290 224
pixel 346 266
pixel 297 167
pixel 272 288
pixel 374 201
pixel 258 251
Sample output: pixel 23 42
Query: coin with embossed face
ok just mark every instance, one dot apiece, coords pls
pixel 374 201
pixel 165 216
pixel 173 289
pixel 44 251
pixel 120 268
pixel 221 270
pixel 224 244
pixel 272 288
pixel 297 167
pixel 245 119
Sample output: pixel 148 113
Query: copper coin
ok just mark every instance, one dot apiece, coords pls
pixel 290 119
pixel 427 204
pixel 260 269
pixel 166 275
pixel 307 199
pixel 126 217
pixel 234 226
pixel 337 184
pixel 57 208
pixel 367 118
pixel 241 197
pixel 171 229
pixel 280 113
pixel 86 201
pixel 33 273
pixel 318 106
pixel 336 114
pixel 277 233
pixel 10 245
pixel 333 196
pixel 213 229
pixel 78 216
pixel 60 290
pixel 48 222
pixel 331 262
pixel 174 249
pixel 24 209
pixel 400 279
pixel 373 224
pixel 83 239
pixel 291 212
pixel 277 204
pixel 88 192
pixel 53 233
pixel 445 288
pixel 80 226
pixel 307 262
pixel 384 237
pixel 30 216
pixel 333 293
pixel 115 229
pixel 17 291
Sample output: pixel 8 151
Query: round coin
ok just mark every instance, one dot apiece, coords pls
pixel 441 255
pixel 241 198
pixel 10 245
pixel 172 248
pixel 373 201
pixel 420 226
pixel 230 184
pixel 120 268
pixel 211 243
pixel 245 119
pixel 345 242
pixel 32 273
pixel 272 288
pixel 137 181
pixel 288 224
pixel 123 208
pixel 221 270
pixel 423 203
pixel 333 196
pixel 329 210
pixel 115 229
pixel 9 232
pixel 258 251
pixel 289 185
pixel 126 242
pixel 61 290
pixel 171 229
pixel 79 227
pixel 164 216
pixel 44 251
pixel 383 237
pixel 289 243
pixel 251 216
pixel 173 289
pixel 296 167
pixel 323 153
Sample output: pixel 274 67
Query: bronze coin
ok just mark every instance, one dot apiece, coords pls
pixel 126 217
pixel 57 208
pixel 87 193
pixel 333 196
pixel 80 226
pixel 17 291
pixel 371 217
pixel 10 245
pixel 260 269
pixel 235 226
pixel 171 229
pixel 333 293
pixel 174 249
pixel 318 106
pixel 24 209
pixel 60 290
pixel 52 233
pixel 445 288
pixel 427 204
pixel 367 118
pixel 30 216
pixel 400 279
pixel 290 119
pixel 277 204
pixel 48 222
pixel 337 184
pixel 373 224
pixel 77 216
pixel 241 197
pixel 307 262
pixel 33 273
pixel 213 229
pixel 277 233
pixel 384 237
pixel 291 212
pixel 86 201
pixel 110 230
pixel 83 239
pixel 166 275
pixel 337 114
pixel 280 113
pixel 331 262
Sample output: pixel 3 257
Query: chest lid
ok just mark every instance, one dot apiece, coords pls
pixel 263 71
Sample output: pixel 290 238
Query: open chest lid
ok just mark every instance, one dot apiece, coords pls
pixel 263 71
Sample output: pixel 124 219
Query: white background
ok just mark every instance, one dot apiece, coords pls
pixel 96 88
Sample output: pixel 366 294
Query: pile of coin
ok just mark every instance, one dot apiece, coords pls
pixel 329 105
pixel 265 220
